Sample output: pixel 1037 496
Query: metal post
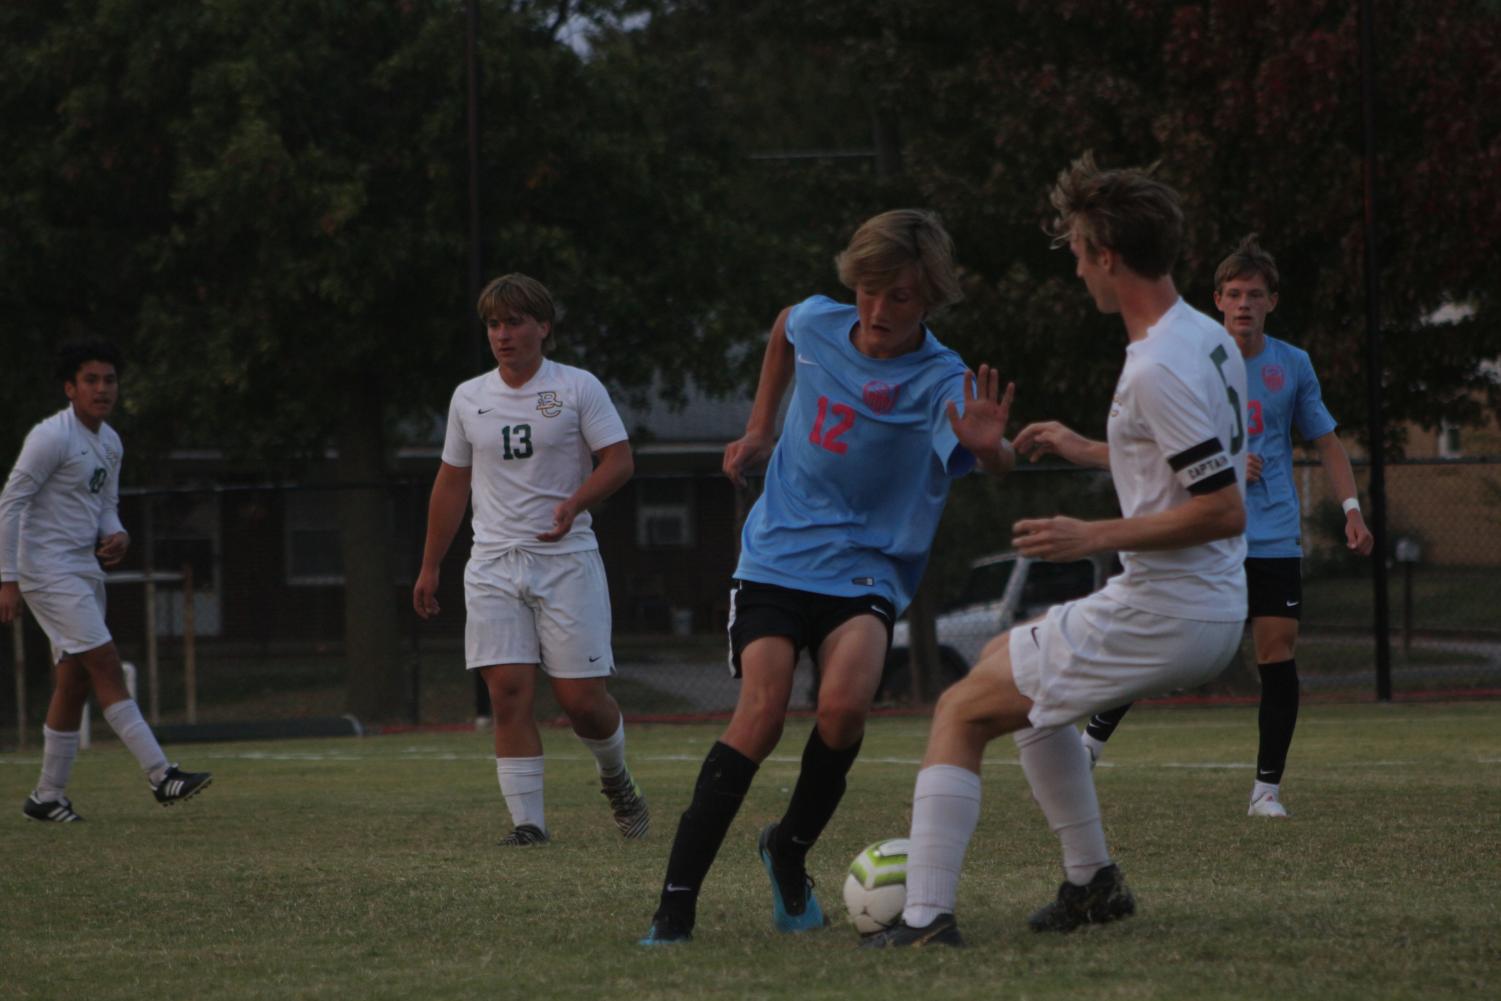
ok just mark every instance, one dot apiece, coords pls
pixel 150 582
pixel 18 648
pixel 1377 488
pixel 189 644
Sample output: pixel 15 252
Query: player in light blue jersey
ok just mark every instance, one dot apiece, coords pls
pixel 1284 397
pixel 882 418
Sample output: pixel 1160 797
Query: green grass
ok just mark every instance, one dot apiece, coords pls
pixel 367 868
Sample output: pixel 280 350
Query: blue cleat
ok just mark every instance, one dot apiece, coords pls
pixel 794 907
pixel 665 930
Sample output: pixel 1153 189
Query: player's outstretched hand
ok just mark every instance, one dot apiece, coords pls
pixel 745 455
pixel 1050 438
pixel 1055 539
pixel 10 601
pixel 562 521
pixel 1253 467
pixel 424 594
pixel 112 549
pixel 982 428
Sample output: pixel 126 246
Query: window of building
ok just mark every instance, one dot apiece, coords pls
pixel 664 513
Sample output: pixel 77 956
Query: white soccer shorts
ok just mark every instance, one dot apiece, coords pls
pixel 1094 654
pixel 550 609
pixel 70 611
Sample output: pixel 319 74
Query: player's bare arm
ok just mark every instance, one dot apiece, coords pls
pixel 1253 467
pixel 445 511
pixel 1336 462
pixel 1052 438
pixel 1206 517
pixel 750 451
pixel 10 601
pixel 982 429
pixel 614 466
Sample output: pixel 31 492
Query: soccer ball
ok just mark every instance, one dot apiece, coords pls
pixel 875 891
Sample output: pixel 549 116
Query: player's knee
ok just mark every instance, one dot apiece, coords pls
pixel 841 721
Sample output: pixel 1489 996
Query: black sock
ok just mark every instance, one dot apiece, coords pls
pixel 722 783
pixel 1277 718
pixel 1102 725
pixel 820 786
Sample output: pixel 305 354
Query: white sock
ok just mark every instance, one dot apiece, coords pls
pixel 1094 746
pixel 124 717
pixel 1057 769
pixel 945 810
pixel 59 749
pixel 609 753
pixel 521 785
pixel 1261 789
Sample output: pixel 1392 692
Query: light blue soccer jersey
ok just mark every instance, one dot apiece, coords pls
pixel 1284 396
pixel 860 474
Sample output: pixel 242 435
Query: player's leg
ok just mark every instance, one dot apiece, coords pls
pixel 500 642
pixel 981 706
pixel 573 627
pixel 765 657
pixel 1275 592
pixel 851 658
pixel 1099 730
pixel 518 750
pixel 49 800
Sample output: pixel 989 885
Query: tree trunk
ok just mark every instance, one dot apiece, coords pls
pixel 376 686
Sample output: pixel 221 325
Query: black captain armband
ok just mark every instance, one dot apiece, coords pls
pixel 1204 468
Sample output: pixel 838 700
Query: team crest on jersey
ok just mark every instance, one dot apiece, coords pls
pixel 548 403
pixel 1273 377
pixel 880 397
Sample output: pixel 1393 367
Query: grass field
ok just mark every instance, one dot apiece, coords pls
pixel 367 868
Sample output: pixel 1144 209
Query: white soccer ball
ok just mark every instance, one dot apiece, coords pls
pixel 875 891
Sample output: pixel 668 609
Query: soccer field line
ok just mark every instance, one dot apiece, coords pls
pixel 421 755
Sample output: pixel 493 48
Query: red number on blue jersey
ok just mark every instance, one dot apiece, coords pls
pixel 1256 427
pixel 830 441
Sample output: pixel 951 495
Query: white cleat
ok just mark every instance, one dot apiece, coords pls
pixel 1267 806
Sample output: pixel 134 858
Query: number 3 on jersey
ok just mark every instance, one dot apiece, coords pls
pixel 523 442
pixel 1219 356
pixel 830 440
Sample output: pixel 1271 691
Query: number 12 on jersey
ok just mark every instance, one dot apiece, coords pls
pixel 830 439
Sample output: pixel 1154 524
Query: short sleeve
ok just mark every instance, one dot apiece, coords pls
pixel 1182 424
pixel 599 421
pixel 457 449
pixel 1312 418
pixel 955 458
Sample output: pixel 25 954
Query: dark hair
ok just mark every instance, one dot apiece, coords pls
pixel 72 355
pixel 1126 211
pixel 1247 261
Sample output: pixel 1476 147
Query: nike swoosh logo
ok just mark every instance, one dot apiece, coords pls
pixel 802 360
pixel 593 659
pixel 485 410
pixel 1292 604
pixel 674 888
pixel 799 841
pixel 879 611
pixel 1035 641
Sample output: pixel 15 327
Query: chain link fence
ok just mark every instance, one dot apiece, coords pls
pixel 231 605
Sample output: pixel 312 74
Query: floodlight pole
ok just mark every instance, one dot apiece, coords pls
pixel 1377 419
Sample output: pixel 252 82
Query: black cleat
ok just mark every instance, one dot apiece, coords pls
pixel 177 785
pixel 942 930
pixel 627 805
pixel 57 811
pixel 525 834
pixel 1104 898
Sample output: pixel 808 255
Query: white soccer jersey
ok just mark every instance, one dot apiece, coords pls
pixel 62 497
pixel 1178 426
pixel 529 449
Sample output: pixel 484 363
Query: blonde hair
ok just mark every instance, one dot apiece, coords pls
pixel 516 293
pixel 1247 260
pixel 1125 211
pixel 891 241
